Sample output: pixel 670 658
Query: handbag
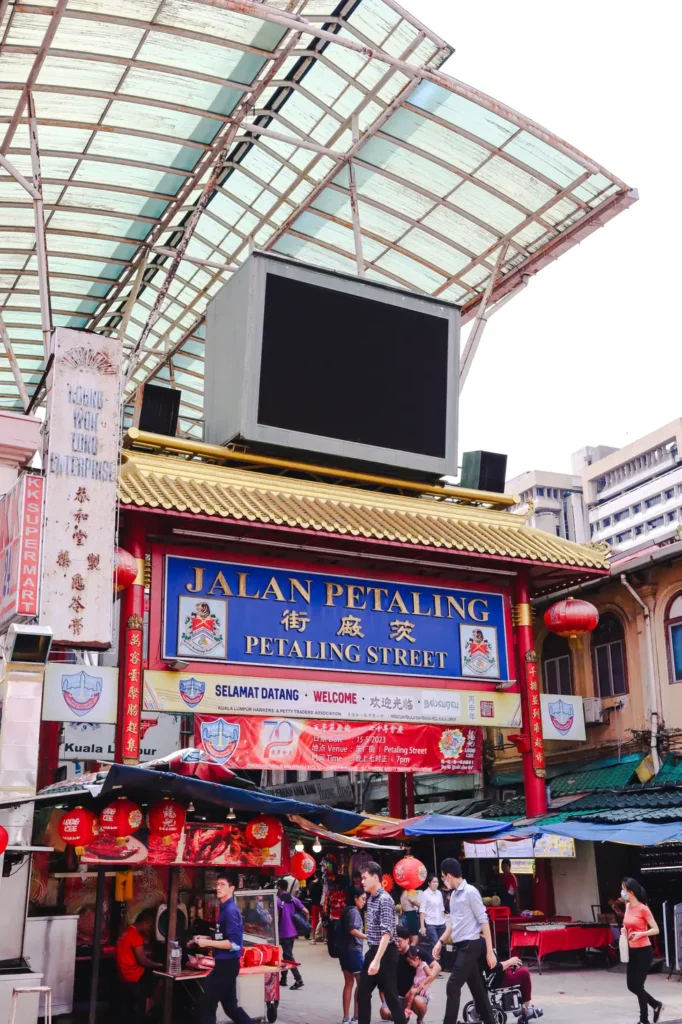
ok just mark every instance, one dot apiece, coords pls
pixel 624 947
pixel 301 924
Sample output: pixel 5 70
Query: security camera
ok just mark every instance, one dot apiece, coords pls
pixel 28 645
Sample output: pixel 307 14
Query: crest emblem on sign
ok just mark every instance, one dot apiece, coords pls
pixel 81 691
pixel 202 631
pixel 451 743
pixel 478 654
pixel 219 739
pixel 561 715
pixel 192 691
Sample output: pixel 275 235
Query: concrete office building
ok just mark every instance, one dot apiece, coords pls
pixel 557 502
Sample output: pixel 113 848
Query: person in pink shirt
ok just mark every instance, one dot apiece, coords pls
pixel 639 925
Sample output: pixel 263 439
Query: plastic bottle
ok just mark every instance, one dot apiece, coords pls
pixel 175 959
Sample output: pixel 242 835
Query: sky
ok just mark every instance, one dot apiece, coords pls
pixel 590 353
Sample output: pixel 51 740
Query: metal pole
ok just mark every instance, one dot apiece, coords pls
pixel 18 176
pixel 435 859
pixel 173 882
pixel 96 945
pixel 478 327
pixel 18 379
pixel 132 298
pixel 41 247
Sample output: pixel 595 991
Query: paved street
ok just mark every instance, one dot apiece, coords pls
pixel 568 995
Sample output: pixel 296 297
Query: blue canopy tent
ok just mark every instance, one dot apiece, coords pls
pixel 450 825
pixel 633 833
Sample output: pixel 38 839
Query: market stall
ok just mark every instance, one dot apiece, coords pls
pixel 555 937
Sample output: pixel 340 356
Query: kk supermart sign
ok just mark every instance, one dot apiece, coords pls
pixel 242 742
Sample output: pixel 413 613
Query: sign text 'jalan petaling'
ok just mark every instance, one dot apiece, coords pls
pixel 264 615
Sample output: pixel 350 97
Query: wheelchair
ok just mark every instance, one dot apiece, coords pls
pixel 505 1000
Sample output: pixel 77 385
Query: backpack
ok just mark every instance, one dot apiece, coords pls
pixel 337 935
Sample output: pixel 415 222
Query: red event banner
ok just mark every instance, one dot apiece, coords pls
pixel 247 741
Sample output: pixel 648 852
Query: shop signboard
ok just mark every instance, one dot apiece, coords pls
pixel 310 744
pixel 273 618
pixel 543 846
pixel 554 846
pixel 91 741
pixel 196 692
pixel 200 844
pixel 21 520
pixel 336 790
pixel 562 717
pixel 80 498
pixel 83 693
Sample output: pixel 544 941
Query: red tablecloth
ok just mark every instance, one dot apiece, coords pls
pixel 561 940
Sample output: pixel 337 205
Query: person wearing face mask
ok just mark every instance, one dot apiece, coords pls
pixel 639 926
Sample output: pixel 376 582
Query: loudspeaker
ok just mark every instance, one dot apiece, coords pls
pixel 156 409
pixel 483 471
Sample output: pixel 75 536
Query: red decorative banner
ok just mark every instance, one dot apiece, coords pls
pixel 131 707
pixel 247 741
pixel 534 726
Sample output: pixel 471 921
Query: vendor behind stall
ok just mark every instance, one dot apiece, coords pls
pixel 134 966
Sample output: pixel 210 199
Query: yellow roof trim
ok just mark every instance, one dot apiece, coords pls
pixel 155 481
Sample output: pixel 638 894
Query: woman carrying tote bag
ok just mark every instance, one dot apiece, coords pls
pixel 638 927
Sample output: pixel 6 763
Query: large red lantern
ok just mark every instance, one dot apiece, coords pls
pixel 303 866
pixel 125 570
pixel 571 618
pixel 78 828
pixel 264 832
pixel 167 819
pixel 4 840
pixel 409 873
pixel 120 819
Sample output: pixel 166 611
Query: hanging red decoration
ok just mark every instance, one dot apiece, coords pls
pixel 264 832
pixel 409 873
pixel 125 570
pixel 387 882
pixel 571 618
pixel 4 839
pixel 303 865
pixel 120 819
pixel 167 819
pixel 78 827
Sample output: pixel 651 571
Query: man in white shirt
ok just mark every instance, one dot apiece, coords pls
pixel 431 911
pixel 468 921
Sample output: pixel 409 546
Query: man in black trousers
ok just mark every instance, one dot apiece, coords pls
pixel 468 919
pixel 381 960
pixel 221 984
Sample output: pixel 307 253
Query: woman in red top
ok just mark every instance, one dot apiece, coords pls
pixel 639 925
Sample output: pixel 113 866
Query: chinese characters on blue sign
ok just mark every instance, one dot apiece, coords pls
pixel 261 615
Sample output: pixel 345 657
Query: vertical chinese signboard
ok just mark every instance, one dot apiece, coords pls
pixel 131 702
pixel 80 503
pixel 535 714
pixel 21 518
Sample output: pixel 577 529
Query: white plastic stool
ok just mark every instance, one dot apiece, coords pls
pixel 41 990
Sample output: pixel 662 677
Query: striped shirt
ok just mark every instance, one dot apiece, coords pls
pixel 380 917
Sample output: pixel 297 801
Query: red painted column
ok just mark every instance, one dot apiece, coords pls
pixel 131 652
pixel 527 669
pixel 409 794
pixel 396 794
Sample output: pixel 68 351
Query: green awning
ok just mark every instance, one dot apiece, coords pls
pixel 610 776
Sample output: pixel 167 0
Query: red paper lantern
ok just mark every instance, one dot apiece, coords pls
pixel 4 839
pixel 303 865
pixel 125 570
pixel 78 828
pixel 264 832
pixel 571 618
pixel 120 819
pixel 409 873
pixel 167 819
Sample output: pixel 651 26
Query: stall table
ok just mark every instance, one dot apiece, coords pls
pixel 561 940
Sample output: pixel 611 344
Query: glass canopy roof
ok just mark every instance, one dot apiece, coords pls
pixel 176 136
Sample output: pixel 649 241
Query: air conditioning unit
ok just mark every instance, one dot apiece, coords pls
pixel 594 711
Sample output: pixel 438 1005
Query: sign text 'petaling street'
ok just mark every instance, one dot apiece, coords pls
pixel 268 616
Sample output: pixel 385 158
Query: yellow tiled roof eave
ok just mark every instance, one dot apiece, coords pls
pixel 155 481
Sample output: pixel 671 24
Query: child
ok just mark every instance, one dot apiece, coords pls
pixel 424 975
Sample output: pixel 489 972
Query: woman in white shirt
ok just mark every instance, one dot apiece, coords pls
pixel 431 911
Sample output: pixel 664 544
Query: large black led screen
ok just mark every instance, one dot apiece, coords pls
pixel 353 368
